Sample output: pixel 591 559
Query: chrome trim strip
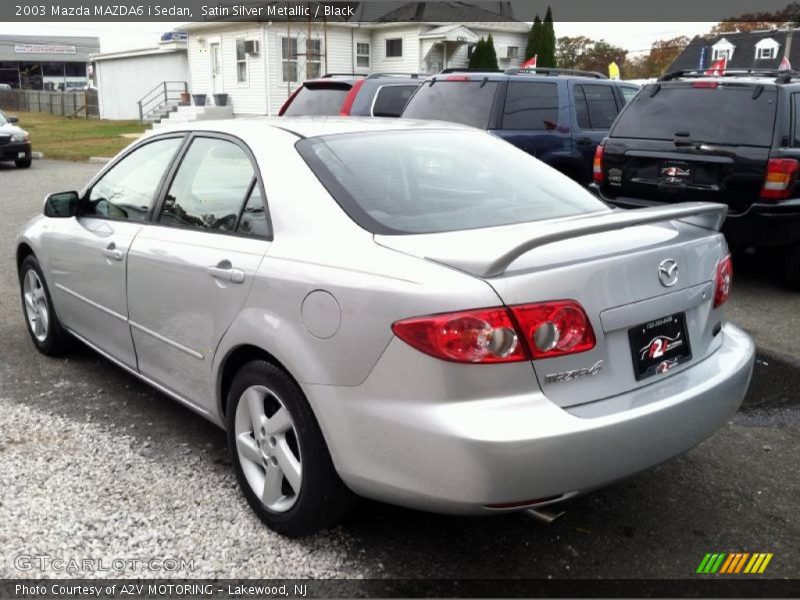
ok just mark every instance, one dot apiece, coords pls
pixel 92 303
pixel 166 340
pixel 144 378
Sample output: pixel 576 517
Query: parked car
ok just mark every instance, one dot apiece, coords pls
pixel 416 313
pixel 377 95
pixel 732 139
pixel 557 115
pixel 15 142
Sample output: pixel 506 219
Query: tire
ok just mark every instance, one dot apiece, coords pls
pixel 46 331
pixel 23 163
pixel 266 458
pixel 792 271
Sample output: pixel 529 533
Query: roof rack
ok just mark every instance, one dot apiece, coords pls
pixel 466 70
pixel 781 76
pixel 408 75
pixel 553 71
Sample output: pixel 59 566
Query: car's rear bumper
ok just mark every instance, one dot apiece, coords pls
pixel 763 224
pixel 460 455
pixel 14 151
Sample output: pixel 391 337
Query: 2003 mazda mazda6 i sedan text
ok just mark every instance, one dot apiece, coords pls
pixel 413 312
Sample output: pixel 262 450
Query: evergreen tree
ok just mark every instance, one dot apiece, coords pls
pixel 484 55
pixel 478 53
pixel 491 54
pixel 547 54
pixel 534 46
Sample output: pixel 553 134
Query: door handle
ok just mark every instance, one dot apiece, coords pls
pixel 583 141
pixel 226 273
pixel 111 252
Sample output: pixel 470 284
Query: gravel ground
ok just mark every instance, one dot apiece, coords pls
pixel 94 464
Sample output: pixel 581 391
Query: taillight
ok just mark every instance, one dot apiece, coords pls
pixel 781 173
pixel 554 328
pixel 475 336
pixel 705 84
pixel 597 165
pixel 501 335
pixel 458 78
pixel 347 104
pixel 723 282
pixel 286 104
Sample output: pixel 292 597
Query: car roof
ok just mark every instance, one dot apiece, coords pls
pixel 310 126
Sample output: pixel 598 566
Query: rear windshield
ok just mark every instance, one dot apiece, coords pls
pixel 727 114
pixel 467 102
pixel 317 101
pixel 430 181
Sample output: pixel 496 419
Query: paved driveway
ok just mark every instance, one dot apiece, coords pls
pixel 94 464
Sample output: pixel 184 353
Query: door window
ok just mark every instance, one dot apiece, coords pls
pixel 391 99
pixel 595 106
pixel 531 106
pixel 209 187
pixel 126 191
pixel 254 216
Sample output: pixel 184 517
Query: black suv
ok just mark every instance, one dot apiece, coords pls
pixel 733 139
pixel 557 115
pixel 346 94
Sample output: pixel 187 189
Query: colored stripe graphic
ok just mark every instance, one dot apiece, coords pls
pixel 735 562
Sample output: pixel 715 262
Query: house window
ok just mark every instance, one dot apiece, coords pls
pixel 362 55
pixel 289 58
pixel 720 53
pixel 394 48
pixel 313 59
pixel 766 53
pixel 241 61
pixel 513 52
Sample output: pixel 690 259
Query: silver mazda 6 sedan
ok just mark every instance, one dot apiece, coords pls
pixel 414 312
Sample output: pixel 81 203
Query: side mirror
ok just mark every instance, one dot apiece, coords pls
pixel 13 120
pixel 61 205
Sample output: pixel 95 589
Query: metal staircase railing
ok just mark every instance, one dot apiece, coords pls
pixel 160 96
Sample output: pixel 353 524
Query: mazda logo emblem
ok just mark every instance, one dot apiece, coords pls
pixel 668 272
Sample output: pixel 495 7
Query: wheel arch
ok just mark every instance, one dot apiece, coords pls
pixel 24 250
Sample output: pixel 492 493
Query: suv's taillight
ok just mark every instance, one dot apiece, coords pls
pixel 347 104
pixel 597 164
pixel 501 335
pixel 286 104
pixel 781 173
pixel 723 281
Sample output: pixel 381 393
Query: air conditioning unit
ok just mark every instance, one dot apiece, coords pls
pixel 252 47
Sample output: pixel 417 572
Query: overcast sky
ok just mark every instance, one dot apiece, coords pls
pixel 635 37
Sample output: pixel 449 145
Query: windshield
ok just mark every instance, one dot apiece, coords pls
pixel 432 181
pixel 3 118
pixel 726 114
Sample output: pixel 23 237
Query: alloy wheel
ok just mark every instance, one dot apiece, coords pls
pixel 268 447
pixel 36 309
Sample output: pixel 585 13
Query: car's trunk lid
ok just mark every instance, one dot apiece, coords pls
pixel 613 272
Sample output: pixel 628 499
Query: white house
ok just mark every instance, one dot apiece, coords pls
pixel 259 64
pixel 151 75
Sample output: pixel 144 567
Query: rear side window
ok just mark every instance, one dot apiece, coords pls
pixel 467 102
pixel 391 99
pixel 628 92
pixel 727 114
pixel 595 106
pixel 531 105
pixel 318 100
pixel 209 187
pixel 796 119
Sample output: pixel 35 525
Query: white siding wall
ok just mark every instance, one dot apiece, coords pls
pixel 199 64
pixel 408 63
pixel 122 82
pixel 501 39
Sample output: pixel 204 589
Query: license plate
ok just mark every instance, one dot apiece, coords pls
pixel 675 172
pixel 659 345
pixel 20 155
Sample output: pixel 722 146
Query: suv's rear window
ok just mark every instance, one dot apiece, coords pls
pixel 467 102
pixel 430 181
pixel 391 99
pixel 727 114
pixel 319 100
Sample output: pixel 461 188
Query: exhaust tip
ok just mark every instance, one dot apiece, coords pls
pixel 543 516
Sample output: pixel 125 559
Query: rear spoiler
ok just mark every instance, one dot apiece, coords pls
pixel 703 214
